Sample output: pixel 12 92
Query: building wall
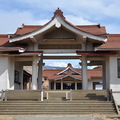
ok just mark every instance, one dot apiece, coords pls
pixel 113 73
pixel 90 83
pixel 6 73
pixel 113 76
pixel 19 82
pixel 11 69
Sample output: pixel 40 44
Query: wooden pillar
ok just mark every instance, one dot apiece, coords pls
pixel 104 75
pixel 21 77
pixel 49 85
pixel 40 66
pixel 61 85
pixel 84 73
pixel 34 73
pixel 75 85
pixel 54 85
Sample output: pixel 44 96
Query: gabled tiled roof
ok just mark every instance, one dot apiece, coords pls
pixel 26 29
pixel 68 70
pixel 5 45
pixel 51 74
pixel 93 29
pixel 112 43
pixel 4 40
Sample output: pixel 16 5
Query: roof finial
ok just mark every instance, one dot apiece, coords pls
pixel 69 64
pixel 59 12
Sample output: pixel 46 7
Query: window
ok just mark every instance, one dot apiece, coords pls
pixel 118 64
pixel 17 76
pixel 45 78
pixel 97 86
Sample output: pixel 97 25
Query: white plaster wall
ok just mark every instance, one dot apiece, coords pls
pixel 6 73
pixel 11 69
pixel 113 76
pixel 3 72
pixel 90 83
pixel 113 73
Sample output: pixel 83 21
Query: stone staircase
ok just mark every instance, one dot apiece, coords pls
pixel 91 102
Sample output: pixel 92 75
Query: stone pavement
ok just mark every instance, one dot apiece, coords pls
pixel 49 118
pixel 55 118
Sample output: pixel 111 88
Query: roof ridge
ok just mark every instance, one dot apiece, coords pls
pixel 97 25
pixel 4 35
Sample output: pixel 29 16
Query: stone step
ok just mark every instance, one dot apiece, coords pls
pixel 57 110
pixel 104 106
pixel 56 113
pixel 58 105
pixel 53 109
pixel 83 102
pixel 55 101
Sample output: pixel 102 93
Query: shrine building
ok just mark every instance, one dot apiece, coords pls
pixel 31 44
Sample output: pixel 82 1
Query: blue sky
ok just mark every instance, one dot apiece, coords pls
pixel 79 12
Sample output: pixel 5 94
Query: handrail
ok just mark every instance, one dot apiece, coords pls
pixel 47 93
pixel 71 93
pixel 6 95
pixel 118 111
pixel 113 99
pixel 107 92
pixel 2 95
pixel 6 91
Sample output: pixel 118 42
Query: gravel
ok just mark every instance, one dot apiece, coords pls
pixel 57 118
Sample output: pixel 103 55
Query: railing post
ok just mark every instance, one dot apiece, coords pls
pixel 47 95
pixel 41 95
pixel 111 97
pixel 1 95
pixel 108 95
pixel 5 95
pixel 66 95
pixel 70 94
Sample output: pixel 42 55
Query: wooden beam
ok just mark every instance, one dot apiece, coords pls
pixel 94 63
pixel 23 58
pixel 61 57
pixel 95 58
pixel 91 58
pixel 33 39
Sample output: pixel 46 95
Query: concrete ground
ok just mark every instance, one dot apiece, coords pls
pixel 37 117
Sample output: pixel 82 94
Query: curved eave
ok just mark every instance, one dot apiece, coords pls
pixel 66 70
pixel 59 78
pixel 11 48
pixel 58 21
pixel 107 49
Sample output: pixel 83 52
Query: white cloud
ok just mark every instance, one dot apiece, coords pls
pixel 79 12
pixel 79 7
pixel 58 64
pixel 10 21
pixel 113 28
pixel 78 20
